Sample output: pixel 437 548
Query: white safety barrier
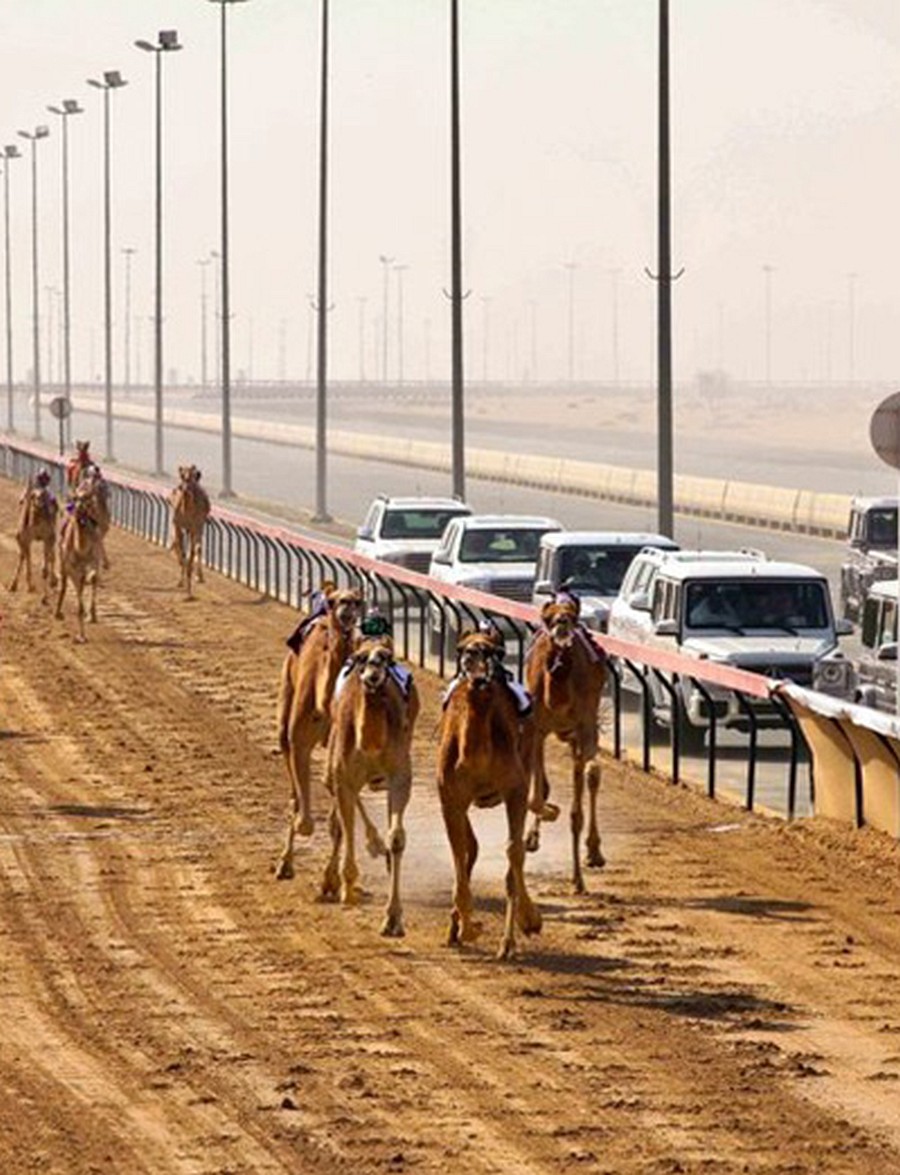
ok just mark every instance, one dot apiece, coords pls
pixel 734 501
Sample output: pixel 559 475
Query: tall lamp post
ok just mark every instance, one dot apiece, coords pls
pixel 386 263
pixel 69 107
pixel 456 292
pixel 398 269
pixel 167 42
pixel 203 263
pixel 321 514
pixel 112 80
pixel 128 252
pixel 39 132
pixel 227 490
pixel 9 152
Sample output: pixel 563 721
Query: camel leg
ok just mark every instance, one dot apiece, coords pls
pixel 14 582
pixel 398 798
pixel 374 842
pixel 527 916
pixel 595 858
pixel 79 591
pixel 331 877
pixel 63 583
pixel 346 801
pixel 460 834
pixel 92 579
pixel 540 790
pixel 198 556
pixel 300 823
pixel 178 547
pixel 576 816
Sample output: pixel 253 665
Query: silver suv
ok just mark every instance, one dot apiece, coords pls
pixel 406 531
pixel 876 668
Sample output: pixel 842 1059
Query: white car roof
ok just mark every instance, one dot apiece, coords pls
pixel 738 569
pixel 427 504
pixel 874 503
pixel 885 587
pixel 744 555
pixel 510 521
pixel 607 538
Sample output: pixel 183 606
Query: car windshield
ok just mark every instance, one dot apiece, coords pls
pixel 788 605
pixel 881 528
pixel 416 524
pixel 594 569
pixel 500 545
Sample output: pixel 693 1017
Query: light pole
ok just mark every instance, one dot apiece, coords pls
pixel 39 132
pixel 9 152
pixel 227 490
pixel 362 338
pixel 399 269
pixel 203 263
pixel 112 80
pixel 217 312
pixel 457 446
pixel 851 336
pixel 768 271
pixel 167 42
pixel 571 266
pixel 321 514
pixel 128 253
pixel 69 106
pixel 386 263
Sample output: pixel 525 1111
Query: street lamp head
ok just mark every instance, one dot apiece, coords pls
pixel 97 85
pixel 55 110
pixel 70 106
pixel 113 78
pixel 11 151
pixel 146 46
pixel 168 39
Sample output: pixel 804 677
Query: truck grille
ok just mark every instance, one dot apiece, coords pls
pixel 512 589
pixel 800 672
pixel 416 561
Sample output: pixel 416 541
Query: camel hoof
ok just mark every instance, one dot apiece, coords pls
pixel 471 932
pixel 530 920
pixel 507 951
pixel 578 886
pixel 392 927
pixel 305 826
pixel 532 841
pixel 284 870
pixel 376 847
pixel 351 895
pixel 595 858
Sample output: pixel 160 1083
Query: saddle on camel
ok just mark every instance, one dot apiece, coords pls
pixel 484 757
pixel 373 715
pixel 190 510
pixel 38 513
pixel 80 551
pixel 565 673
pixel 317 650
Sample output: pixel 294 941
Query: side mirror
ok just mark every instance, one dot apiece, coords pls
pixel 666 628
pixel 364 533
pixel 640 601
pixel 543 587
pixel 887 652
pixel 844 628
pixel 440 557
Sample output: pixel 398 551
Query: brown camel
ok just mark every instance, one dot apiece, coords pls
pixel 484 753
pixel 38 513
pixel 80 549
pixel 190 510
pixel 95 484
pixel 373 715
pixel 308 676
pixel 565 675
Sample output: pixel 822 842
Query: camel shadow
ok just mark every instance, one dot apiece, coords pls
pixel 95 812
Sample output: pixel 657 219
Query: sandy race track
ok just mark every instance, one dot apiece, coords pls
pixel 725 999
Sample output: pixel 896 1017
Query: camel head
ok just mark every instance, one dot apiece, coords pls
pixel 374 657
pixel 188 475
pixel 344 605
pixel 477 657
pixel 83 451
pixel 559 617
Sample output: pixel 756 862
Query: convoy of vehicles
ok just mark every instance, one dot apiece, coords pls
pixel 872 551
pixel 876 667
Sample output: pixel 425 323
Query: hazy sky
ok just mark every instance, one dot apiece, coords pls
pixel 785 133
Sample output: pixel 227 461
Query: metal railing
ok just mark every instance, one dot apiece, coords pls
pixel 645 712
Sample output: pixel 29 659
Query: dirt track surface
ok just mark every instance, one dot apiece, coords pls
pixel 726 998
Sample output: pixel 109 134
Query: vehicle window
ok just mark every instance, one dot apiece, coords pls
pixel 500 545
pixel 888 623
pixel 757 604
pixel 882 527
pixel 371 518
pixel 415 524
pixel 642 578
pixel 543 565
pixel 657 606
pixel 447 542
pixel 871 628
pixel 595 569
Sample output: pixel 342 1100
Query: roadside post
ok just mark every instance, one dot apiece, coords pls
pixel 61 408
pixel 884 433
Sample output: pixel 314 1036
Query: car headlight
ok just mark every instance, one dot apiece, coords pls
pixel 834 676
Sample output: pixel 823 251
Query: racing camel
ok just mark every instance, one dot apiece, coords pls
pixel 484 753
pixel 318 650
pixel 77 464
pixel 373 715
pixel 93 483
pixel 80 551
pixel 565 674
pixel 190 510
pixel 38 513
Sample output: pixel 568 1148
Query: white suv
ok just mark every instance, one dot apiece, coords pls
pixel 768 617
pixel 406 531
pixel 492 553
